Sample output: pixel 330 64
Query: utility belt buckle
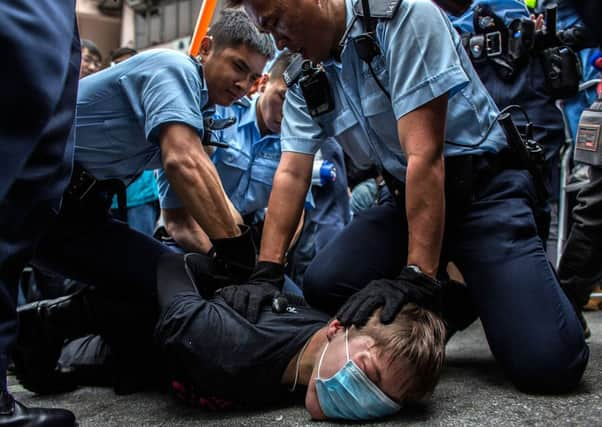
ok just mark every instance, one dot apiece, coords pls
pixel 81 184
pixel 483 46
pixel 493 44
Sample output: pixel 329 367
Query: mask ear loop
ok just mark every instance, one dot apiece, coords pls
pixel 347 344
pixel 322 358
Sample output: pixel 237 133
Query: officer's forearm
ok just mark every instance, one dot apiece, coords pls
pixel 185 231
pixel 425 208
pixel 285 206
pixel 196 181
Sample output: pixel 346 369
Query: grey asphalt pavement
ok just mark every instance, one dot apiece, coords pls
pixel 472 392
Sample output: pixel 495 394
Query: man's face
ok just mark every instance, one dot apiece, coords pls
pixel 90 63
pixel 230 72
pixel 365 356
pixel 300 25
pixel 270 103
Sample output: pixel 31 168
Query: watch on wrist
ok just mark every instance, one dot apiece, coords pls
pixel 416 269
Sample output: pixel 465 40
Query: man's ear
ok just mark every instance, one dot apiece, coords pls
pixel 256 87
pixel 206 48
pixel 262 82
pixel 333 328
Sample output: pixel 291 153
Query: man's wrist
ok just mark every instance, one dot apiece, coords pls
pixel 417 269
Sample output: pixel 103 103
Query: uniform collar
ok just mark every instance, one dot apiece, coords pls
pixel 350 21
pixel 248 117
pixel 206 107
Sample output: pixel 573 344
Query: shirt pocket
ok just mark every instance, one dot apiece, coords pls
pixel 260 185
pixel 376 106
pixel 233 165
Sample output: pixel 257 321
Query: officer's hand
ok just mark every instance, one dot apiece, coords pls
pixel 392 295
pixel 261 289
pixel 235 256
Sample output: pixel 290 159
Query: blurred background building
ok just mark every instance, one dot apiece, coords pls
pixel 139 24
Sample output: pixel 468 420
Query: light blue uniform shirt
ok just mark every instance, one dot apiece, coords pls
pixel 423 58
pixel 247 167
pixel 120 111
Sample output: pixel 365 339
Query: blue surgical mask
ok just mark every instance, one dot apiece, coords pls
pixel 350 394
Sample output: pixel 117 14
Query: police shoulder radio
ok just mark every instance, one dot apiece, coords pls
pixel 312 79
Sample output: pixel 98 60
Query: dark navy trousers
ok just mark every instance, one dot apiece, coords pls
pixel 96 249
pixel 531 328
pixel 39 46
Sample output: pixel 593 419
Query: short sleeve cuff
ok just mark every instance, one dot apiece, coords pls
pixel 153 125
pixel 449 81
pixel 300 145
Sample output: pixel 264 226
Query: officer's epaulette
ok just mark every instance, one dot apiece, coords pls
pixel 294 70
pixel 379 9
pixel 244 102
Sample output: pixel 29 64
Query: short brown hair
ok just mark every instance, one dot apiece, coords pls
pixel 234 28
pixel 416 338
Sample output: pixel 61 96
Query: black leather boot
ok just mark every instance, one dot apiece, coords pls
pixel 43 328
pixel 15 414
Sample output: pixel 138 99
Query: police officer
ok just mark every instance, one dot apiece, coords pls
pixel 246 165
pixel 404 94
pixel 517 81
pixel 39 44
pixel 147 113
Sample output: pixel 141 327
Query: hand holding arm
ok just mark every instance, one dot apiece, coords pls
pixel 195 180
pixel 186 232
pixel 284 210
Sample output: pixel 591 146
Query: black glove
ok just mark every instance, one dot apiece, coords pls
pixel 235 256
pixel 262 288
pixel 206 273
pixel 392 295
pixel 458 311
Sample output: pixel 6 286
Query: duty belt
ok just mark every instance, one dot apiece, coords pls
pixel 84 187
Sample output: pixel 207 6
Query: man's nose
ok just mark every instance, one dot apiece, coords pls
pixel 243 86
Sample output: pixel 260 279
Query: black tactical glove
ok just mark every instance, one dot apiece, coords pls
pixel 392 294
pixel 235 256
pixel 206 273
pixel 458 309
pixel 262 288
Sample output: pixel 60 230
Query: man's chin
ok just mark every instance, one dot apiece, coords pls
pixel 311 403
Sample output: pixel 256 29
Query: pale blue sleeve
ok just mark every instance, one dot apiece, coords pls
pixel 173 94
pixel 168 199
pixel 421 57
pixel 299 132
